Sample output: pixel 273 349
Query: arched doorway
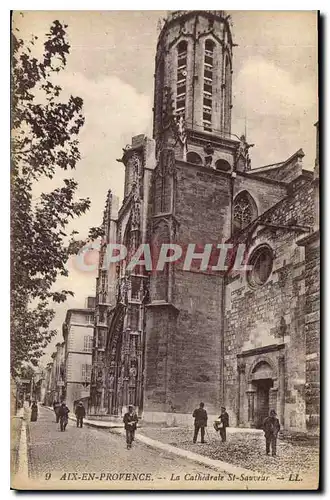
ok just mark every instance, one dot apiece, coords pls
pixel 262 380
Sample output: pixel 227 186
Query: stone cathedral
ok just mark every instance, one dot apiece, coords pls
pixel 166 340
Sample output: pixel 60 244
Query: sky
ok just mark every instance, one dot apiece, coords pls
pixel 111 66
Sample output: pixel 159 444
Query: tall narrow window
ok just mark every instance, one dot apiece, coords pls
pixel 226 102
pixel 181 83
pixel 90 319
pixel 208 85
pixel 103 283
pixel 86 371
pixel 245 211
pixel 88 343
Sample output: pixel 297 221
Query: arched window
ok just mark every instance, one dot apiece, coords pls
pixel 208 85
pixel 222 165
pixel 245 211
pixel 181 84
pixel 261 261
pixel 193 157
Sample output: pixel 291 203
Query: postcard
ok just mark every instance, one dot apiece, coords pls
pixel 165 275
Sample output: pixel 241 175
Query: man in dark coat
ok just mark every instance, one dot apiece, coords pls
pixel 57 406
pixel 130 421
pixel 271 427
pixel 80 414
pixel 223 423
pixel 63 415
pixel 200 416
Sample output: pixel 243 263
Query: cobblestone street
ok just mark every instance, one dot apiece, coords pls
pixel 244 449
pixel 89 450
pixel 95 458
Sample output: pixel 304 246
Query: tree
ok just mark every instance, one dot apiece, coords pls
pixel 44 140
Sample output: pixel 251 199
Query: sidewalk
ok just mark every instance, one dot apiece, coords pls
pixel 244 449
pixel 15 436
pixel 241 457
pixel 19 467
pixel 218 465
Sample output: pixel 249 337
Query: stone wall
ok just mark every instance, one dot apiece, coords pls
pixel 160 332
pixel 268 315
pixel 272 314
pixel 297 208
pixel 183 349
pixel 202 205
pixel 312 330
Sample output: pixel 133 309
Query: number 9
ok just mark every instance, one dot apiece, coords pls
pixel 48 476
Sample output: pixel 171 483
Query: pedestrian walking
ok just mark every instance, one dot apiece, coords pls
pixel 130 421
pixel 222 423
pixel 63 415
pixel 271 427
pixel 200 416
pixel 57 406
pixel 80 414
pixel 34 412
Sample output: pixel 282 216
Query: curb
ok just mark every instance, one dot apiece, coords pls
pixel 189 455
pixel 180 452
pixel 193 457
pixel 22 473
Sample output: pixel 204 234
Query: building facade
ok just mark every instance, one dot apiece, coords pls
pixel 78 346
pixel 56 377
pixel 48 401
pixel 187 332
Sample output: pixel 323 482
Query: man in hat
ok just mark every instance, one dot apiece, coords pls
pixel 223 423
pixel 271 427
pixel 200 416
pixel 63 414
pixel 130 422
pixel 80 414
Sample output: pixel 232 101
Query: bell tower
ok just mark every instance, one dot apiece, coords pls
pixel 190 206
pixel 193 82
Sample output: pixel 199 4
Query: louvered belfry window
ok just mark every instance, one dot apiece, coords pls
pixel 181 84
pixel 208 85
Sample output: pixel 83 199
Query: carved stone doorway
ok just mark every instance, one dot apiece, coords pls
pixel 262 387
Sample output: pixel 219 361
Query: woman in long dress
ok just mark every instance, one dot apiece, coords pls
pixel 34 412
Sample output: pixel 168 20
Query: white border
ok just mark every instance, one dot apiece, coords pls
pixel 4 185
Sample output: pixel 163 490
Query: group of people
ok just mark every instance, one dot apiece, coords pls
pixel 200 416
pixel 62 414
pixel 271 427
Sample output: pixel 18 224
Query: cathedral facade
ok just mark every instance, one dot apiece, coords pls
pixel 166 339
